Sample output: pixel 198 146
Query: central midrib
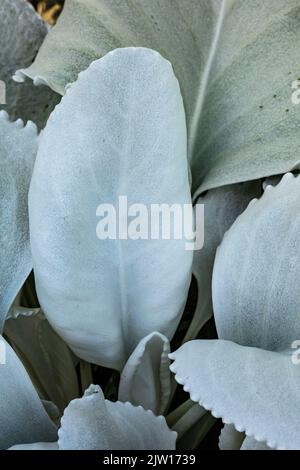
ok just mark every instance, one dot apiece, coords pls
pixel 204 81
pixel 123 192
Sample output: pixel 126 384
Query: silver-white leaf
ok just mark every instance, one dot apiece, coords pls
pixel 251 444
pixel 18 147
pixel 145 379
pixel 93 423
pixel 257 391
pixel 22 32
pixel 120 130
pixel 235 60
pixel 221 207
pixel 255 268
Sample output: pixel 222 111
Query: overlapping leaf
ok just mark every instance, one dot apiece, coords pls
pixel 235 61
pixel 93 423
pixel 255 390
pixel 18 147
pixel 145 379
pixel 49 361
pixel 255 267
pixel 22 32
pixel 23 418
pixel 221 207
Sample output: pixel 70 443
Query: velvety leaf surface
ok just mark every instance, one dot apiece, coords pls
pixel 95 423
pixel 18 147
pixel 235 61
pixel 256 269
pixel 145 379
pixel 251 444
pixel 108 138
pixel 22 32
pixel 221 207
pixel 248 124
pixel 88 29
pixel 255 390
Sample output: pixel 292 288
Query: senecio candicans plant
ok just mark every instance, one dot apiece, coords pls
pixel 177 104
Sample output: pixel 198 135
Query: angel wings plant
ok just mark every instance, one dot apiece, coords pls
pixel 164 102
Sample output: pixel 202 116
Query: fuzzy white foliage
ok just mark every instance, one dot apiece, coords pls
pixel 93 423
pixel 255 268
pixel 256 390
pixel 221 207
pixel 235 60
pixel 120 130
pixel 22 32
pixel 104 25
pixel 251 444
pixel 18 147
pixel 231 439
pixel 145 379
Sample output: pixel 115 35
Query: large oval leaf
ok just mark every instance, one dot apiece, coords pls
pixel 248 124
pixel 255 270
pixel 181 31
pixel 109 138
pixel 255 390
pixel 236 62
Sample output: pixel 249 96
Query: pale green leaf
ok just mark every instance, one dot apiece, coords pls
pixel 230 438
pixel 88 29
pixel 235 61
pixel 48 360
pixel 22 31
pixel 23 418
